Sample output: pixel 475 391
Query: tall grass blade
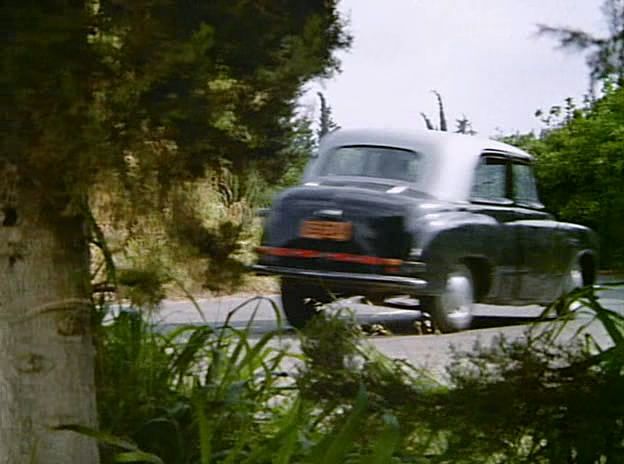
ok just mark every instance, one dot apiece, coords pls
pixel 284 441
pixel 181 364
pixel 137 456
pixel 334 448
pixel 132 452
pixel 205 431
pixel 188 295
pixel 386 444
pixel 288 435
pixel 611 321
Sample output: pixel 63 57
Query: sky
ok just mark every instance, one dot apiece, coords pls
pixel 483 56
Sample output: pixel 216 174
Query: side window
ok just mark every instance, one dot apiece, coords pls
pixel 524 187
pixel 490 179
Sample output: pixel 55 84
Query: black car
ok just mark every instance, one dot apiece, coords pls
pixel 448 219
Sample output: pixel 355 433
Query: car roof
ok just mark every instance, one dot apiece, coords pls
pixel 415 139
pixel 454 157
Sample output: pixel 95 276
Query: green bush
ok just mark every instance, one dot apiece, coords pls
pixel 185 392
pixel 200 395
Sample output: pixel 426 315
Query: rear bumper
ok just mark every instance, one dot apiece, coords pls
pixel 333 279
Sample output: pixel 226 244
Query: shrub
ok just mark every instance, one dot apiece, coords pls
pixel 198 394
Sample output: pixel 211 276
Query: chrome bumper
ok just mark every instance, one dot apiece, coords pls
pixel 400 283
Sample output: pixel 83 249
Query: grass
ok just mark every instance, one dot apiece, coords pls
pixel 204 395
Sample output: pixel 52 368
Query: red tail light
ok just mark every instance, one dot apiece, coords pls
pixel 391 264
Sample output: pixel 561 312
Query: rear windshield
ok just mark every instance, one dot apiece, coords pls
pixel 368 161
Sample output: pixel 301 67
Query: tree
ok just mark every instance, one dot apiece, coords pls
pixel 580 169
pixel 443 126
pixel 464 126
pixel 326 122
pixel 580 162
pixel 606 54
pixel 127 90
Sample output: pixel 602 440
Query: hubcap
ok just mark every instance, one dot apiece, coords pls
pixel 576 277
pixel 458 297
pixel 574 280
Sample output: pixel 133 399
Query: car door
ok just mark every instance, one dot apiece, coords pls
pixel 490 196
pixel 537 238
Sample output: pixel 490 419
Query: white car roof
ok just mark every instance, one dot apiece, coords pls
pixel 455 155
pixel 416 138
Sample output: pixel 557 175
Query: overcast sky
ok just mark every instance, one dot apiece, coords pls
pixel 483 56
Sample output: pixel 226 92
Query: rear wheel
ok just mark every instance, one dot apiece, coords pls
pixel 301 301
pixel 451 311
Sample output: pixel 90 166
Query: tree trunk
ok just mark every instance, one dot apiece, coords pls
pixel 46 350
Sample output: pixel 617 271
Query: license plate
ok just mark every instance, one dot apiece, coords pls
pixel 326 230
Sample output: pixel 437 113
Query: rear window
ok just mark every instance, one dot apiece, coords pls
pixel 367 161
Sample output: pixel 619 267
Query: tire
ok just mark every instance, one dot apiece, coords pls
pixel 451 311
pixel 300 302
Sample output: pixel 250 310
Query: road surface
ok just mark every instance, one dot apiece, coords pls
pixel 406 340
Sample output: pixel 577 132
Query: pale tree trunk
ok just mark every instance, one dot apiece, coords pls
pixel 46 349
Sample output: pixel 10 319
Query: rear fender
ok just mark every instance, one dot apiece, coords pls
pixel 445 239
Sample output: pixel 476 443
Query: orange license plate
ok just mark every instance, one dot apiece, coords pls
pixel 326 230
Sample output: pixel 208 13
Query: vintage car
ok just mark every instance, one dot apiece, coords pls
pixel 445 219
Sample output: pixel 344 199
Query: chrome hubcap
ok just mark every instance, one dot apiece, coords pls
pixel 458 298
pixel 574 280
pixel 576 277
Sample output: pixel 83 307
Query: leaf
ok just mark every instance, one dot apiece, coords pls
pixel 205 431
pixel 132 453
pixel 386 444
pixel 342 442
pixel 137 456
pixel 284 440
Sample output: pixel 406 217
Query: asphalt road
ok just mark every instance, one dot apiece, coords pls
pixel 406 339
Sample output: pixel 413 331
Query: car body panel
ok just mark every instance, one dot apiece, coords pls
pixel 430 224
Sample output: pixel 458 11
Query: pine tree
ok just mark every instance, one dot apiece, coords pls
pixel 326 121
pixel 464 126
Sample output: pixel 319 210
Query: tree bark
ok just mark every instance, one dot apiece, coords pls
pixel 46 349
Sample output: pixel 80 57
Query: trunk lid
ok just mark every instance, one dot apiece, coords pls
pixel 342 218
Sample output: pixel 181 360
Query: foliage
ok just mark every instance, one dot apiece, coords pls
pixel 579 159
pixel 220 79
pixel 464 126
pixel 551 397
pixel 50 134
pixel 428 123
pixel 535 400
pixel 197 394
pixel 606 57
pixel 134 99
pixel 181 393
pixel 202 234
pixel 581 169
